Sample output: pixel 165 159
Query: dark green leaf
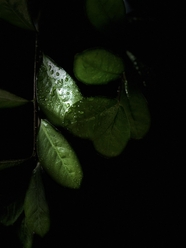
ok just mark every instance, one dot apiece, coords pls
pixel 25 235
pixel 57 157
pixel 16 12
pixel 105 14
pixel 9 100
pixel 12 213
pixel 97 66
pixel 137 112
pixel 103 121
pixel 11 163
pixel 35 206
pixel 56 91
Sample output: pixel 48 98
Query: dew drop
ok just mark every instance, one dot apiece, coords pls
pixel 57 73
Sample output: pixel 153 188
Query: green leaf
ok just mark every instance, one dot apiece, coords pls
pixel 16 12
pixel 57 157
pixel 137 112
pixel 35 206
pixel 56 91
pixel 103 121
pixel 12 213
pixel 25 235
pixel 97 66
pixel 105 14
pixel 9 100
pixel 11 163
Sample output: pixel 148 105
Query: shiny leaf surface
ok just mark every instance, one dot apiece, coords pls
pixel 57 157
pixel 16 12
pixel 35 206
pixel 56 91
pixel 9 100
pixel 97 66
pixel 105 14
pixel 103 121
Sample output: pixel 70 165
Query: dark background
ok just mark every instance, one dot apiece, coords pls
pixel 137 198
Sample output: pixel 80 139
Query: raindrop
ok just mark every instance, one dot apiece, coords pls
pixel 66 79
pixel 57 73
pixel 52 71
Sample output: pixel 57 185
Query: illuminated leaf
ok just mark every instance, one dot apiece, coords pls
pixel 57 157
pixel 16 12
pixel 105 14
pixel 97 66
pixel 103 121
pixel 9 100
pixel 35 206
pixel 56 91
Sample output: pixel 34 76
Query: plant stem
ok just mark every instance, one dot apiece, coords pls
pixel 35 106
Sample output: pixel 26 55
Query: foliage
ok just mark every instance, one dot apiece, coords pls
pixel 108 122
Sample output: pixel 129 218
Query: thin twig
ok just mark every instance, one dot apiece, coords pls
pixel 36 123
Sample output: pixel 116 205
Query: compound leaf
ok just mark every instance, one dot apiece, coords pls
pixel 57 157
pixel 102 120
pixel 97 66
pixel 35 206
pixel 56 91
pixel 9 100
pixel 16 12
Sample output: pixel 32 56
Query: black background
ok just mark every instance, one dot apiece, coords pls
pixel 137 198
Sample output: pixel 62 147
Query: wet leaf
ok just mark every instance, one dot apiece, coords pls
pixel 97 66
pixel 137 112
pixel 25 235
pixel 35 206
pixel 56 91
pixel 102 120
pixel 12 212
pixel 57 157
pixel 103 15
pixel 9 100
pixel 16 12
